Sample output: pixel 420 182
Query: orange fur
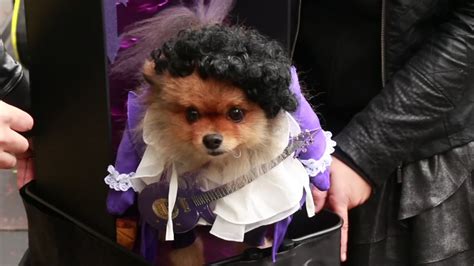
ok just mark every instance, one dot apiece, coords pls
pixel 170 98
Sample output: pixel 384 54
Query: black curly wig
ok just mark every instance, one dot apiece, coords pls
pixel 232 53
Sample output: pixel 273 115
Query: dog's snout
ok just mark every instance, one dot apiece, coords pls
pixel 212 141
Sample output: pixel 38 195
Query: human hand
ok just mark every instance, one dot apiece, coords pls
pixel 12 121
pixel 25 166
pixel 348 190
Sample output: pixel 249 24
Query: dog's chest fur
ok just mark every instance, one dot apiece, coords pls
pixel 231 166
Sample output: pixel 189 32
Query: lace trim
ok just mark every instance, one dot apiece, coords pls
pixel 315 167
pixel 117 181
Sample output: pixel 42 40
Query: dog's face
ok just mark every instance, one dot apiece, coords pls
pixel 206 117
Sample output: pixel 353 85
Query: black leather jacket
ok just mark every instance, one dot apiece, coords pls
pixel 427 104
pixel 14 87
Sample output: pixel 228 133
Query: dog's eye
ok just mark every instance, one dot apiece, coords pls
pixel 192 115
pixel 235 114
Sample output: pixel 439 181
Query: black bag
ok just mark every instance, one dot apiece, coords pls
pixel 56 238
pixel 309 241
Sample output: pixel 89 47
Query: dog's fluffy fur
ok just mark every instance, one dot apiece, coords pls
pixel 253 140
pixel 213 70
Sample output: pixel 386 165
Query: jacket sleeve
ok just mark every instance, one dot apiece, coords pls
pixel 14 87
pixel 402 117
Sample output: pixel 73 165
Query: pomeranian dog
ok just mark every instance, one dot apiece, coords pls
pixel 217 101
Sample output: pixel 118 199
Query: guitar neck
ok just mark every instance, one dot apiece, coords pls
pixel 238 183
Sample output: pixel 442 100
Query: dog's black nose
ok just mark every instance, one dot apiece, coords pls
pixel 212 141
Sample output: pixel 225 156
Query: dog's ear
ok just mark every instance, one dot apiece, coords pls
pixel 149 73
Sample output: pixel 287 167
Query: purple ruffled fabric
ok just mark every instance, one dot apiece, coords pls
pixel 307 119
pixel 129 154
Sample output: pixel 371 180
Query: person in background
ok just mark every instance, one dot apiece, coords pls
pixel 14 148
pixel 394 80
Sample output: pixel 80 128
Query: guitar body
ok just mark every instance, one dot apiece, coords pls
pixel 153 207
